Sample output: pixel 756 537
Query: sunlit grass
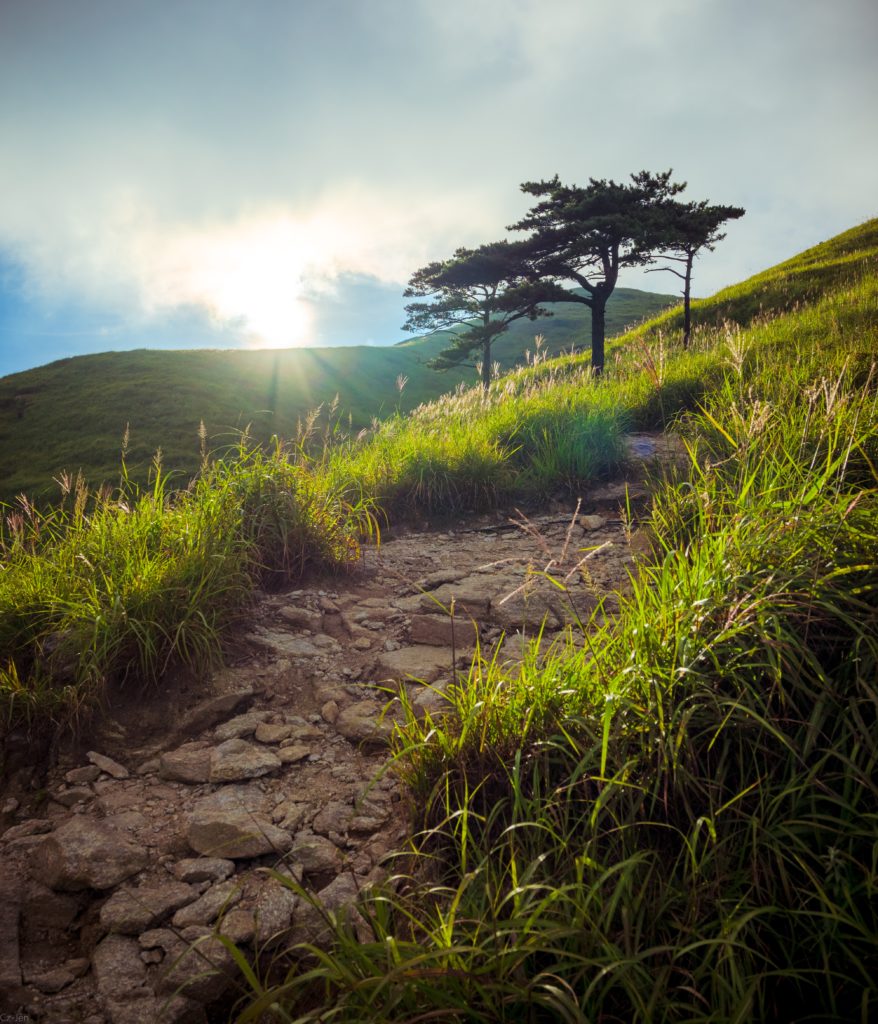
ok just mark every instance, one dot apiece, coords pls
pixel 678 821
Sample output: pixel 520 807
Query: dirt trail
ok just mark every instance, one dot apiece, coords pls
pixel 134 847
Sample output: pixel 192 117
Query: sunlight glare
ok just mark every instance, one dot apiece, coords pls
pixel 254 274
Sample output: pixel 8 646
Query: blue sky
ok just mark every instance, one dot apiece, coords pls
pixel 209 173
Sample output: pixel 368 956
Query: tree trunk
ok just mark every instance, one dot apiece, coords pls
pixel 598 327
pixel 486 364
pixel 687 311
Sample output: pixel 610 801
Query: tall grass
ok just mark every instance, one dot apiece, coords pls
pixel 113 587
pixel 679 820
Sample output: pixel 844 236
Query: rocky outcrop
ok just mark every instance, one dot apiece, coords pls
pixel 85 853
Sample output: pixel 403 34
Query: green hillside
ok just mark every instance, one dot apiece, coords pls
pixel 668 812
pixel 72 414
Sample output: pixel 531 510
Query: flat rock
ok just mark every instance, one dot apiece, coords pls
pixel 81 776
pixel 209 712
pixel 73 795
pixel 31 827
pixel 241 725
pixel 423 662
pixel 119 972
pixel 233 831
pixel 443 631
pixel 237 759
pixel 290 645
pixel 203 869
pixel 592 522
pixel 198 967
pixel 130 911
pixel 52 981
pixel 107 764
pixel 303 618
pixel 268 733
pixel 185 764
pixel 275 907
pixel 469 596
pixel 294 753
pixel 316 854
pixel 208 907
pixel 84 853
pixel 523 610
pixel 362 723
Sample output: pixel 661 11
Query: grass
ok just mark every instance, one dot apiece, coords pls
pixel 69 416
pixel 680 824
pixel 112 588
pixel 673 819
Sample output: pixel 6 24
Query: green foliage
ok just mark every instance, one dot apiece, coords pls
pixel 588 234
pixel 112 587
pixel 71 415
pixel 481 291
pixel 677 819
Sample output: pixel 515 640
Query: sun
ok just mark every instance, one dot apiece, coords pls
pixel 253 276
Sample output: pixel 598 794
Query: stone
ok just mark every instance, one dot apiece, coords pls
pixel 468 595
pixel 118 970
pixel 422 662
pixel 243 725
pixel 10 806
pixel 362 723
pixel 46 912
pixel 303 618
pixel 126 997
pixel 239 925
pixel 200 968
pixel 203 869
pixel 31 827
pixel 333 817
pixel 523 609
pixel 316 854
pixel 438 578
pixel 185 764
pixel 107 764
pixel 275 907
pixel 329 711
pixel 84 853
pixel 130 911
pixel 50 982
pixel 233 831
pixel 208 907
pixel 339 898
pixel 292 754
pixel 291 645
pixel 81 776
pixel 73 795
pixel 208 713
pixel 592 522
pixel 236 759
pixel 443 631
pixel 268 733
pixel 362 643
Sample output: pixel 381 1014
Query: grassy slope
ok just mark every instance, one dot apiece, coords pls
pixel 72 413
pixel 681 826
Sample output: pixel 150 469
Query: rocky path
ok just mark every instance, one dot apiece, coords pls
pixel 122 863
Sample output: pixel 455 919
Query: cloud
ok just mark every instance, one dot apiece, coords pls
pixel 239 157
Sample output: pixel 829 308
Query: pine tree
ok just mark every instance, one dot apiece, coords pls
pixel 588 234
pixel 480 291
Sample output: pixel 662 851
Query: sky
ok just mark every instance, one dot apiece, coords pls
pixel 269 173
